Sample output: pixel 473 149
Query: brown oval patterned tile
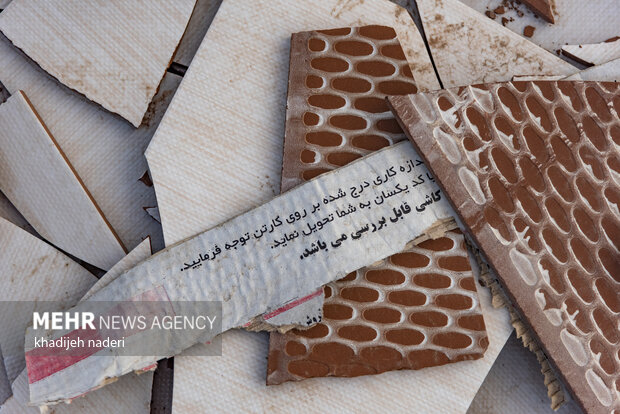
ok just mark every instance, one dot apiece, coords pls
pixel 410 259
pixel 615 134
pixel 350 277
pixel 359 294
pixel 455 263
pixel 316 45
pixel 593 163
pixel 567 124
pixel 583 254
pixel 393 51
pixel 371 105
pixel 561 183
pixel 326 101
pixel 468 284
pixel 582 284
pixel 343 31
pixel 605 359
pixel 294 348
pixel 473 322
pixel 327 291
pixel 607 325
pixel 437 245
pixel 556 211
pixel 317 331
pixel 427 358
pixel 397 87
pixel 375 68
pixel 337 311
pixel 330 64
pixel 429 318
pixel 370 142
pixel 511 105
pixel 308 369
pixel 501 195
pixel 379 356
pixel 529 236
pixel 609 260
pixel 385 277
pixel 598 104
pixel 504 164
pixel 432 280
pixel 539 113
pixel 608 294
pixel 587 192
pixel 311 119
pixel 555 279
pixel 529 204
pixel 554 244
pixel 382 315
pixel 348 122
pixel 308 157
pixel 454 301
pixel 351 85
pixel 315 172
pixel 314 82
pixel 506 128
pixel 324 138
pixel 342 158
pixel 407 298
pixel 535 144
pixel 354 48
pixel 358 333
pixel 612 231
pixel 377 32
pixel 532 174
pixel 569 91
pixel 563 153
pixel 331 352
pixel 353 370
pixel 454 340
pixel 546 90
pixel 389 125
pixel 404 336
pixel 594 133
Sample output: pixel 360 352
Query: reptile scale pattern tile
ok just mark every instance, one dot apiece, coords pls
pixel 533 169
pixel 416 309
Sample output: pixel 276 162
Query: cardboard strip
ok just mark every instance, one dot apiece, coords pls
pixel 202 16
pixel 469 48
pixel 98 57
pixel 106 152
pixel 282 250
pixel 552 240
pixel 36 176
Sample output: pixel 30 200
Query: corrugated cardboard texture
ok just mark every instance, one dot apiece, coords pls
pixel 79 44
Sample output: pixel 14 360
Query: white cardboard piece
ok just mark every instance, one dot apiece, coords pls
pixel 576 21
pixel 469 48
pixel 4 3
pixel 37 178
pixel 79 43
pixel 281 251
pixel 593 54
pixel 129 395
pixel 32 270
pixel 106 152
pixel 10 213
pixel 609 72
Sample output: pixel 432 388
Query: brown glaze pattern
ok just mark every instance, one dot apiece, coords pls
pixel 533 169
pixel 416 309
pixel 336 109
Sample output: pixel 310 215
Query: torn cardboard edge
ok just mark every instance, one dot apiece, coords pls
pixel 318 258
pixel 609 72
pixel 499 299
